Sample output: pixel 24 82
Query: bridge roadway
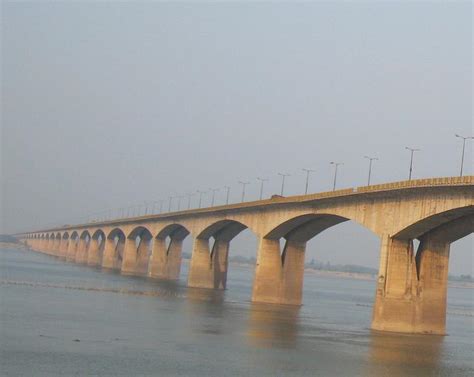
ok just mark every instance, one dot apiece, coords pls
pixel 411 287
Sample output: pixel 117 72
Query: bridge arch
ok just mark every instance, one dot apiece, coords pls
pixel 210 258
pixel 412 288
pixel 83 246
pixel 137 251
pixel 96 248
pixel 431 222
pixel 114 248
pixel 174 230
pixel 166 258
pixel 281 256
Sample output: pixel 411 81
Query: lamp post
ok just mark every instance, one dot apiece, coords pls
pixel 161 205
pixel 370 167
pixel 336 165
pixel 213 195
pixel 283 176
pixel 200 196
pixel 412 150
pixel 243 189
pixel 308 171
pixel 179 201
pixel 227 194
pixel 189 195
pixel 262 180
pixel 464 138
pixel 170 199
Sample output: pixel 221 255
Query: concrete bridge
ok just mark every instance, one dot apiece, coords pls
pixel 411 287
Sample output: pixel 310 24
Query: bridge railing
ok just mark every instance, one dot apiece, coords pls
pixel 427 182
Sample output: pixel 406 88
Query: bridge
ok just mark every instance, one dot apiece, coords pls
pixel 411 287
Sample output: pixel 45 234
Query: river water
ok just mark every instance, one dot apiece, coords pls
pixel 63 319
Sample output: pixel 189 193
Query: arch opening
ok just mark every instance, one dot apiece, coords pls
pixel 210 258
pixel 285 250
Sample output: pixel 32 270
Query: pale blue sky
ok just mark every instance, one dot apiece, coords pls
pixel 108 104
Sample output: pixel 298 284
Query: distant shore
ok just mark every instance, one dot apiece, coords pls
pixel 13 245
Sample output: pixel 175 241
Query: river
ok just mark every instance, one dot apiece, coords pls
pixel 63 319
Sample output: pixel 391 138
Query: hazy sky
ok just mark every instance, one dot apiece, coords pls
pixel 109 104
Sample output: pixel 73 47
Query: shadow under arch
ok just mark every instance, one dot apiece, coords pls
pixel 417 229
pixel 167 250
pixel 210 258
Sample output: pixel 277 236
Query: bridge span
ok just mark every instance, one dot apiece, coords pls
pixel 411 287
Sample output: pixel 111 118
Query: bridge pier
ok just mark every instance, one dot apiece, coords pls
pixel 129 257
pixel 71 250
pixel 166 261
pixel 93 255
pixel 110 257
pixel 411 290
pixel 142 257
pixel 81 253
pixel 279 276
pixel 63 247
pixel 208 269
pixel 135 258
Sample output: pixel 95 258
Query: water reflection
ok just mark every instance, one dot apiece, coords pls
pixel 401 353
pixel 273 325
pixel 205 309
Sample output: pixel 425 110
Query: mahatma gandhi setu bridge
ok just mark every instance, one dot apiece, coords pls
pixel 411 285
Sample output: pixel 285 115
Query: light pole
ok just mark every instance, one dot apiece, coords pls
pixel 370 167
pixel 161 205
pixel 412 150
pixel 189 199
pixel 464 138
pixel 336 165
pixel 227 194
pixel 283 176
pixel 213 195
pixel 179 201
pixel 262 180
pixel 243 189
pixel 200 196
pixel 308 171
pixel 170 199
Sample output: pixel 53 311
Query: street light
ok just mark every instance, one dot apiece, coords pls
pixel 213 195
pixel 283 176
pixel 370 167
pixel 261 185
pixel 412 150
pixel 308 171
pixel 464 138
pixel 161 205
pixel 200 196
pixel 243 189
pixel 169 203
pixel 227 194
pixel 189 195
pixel 336 165
pixel 179 201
